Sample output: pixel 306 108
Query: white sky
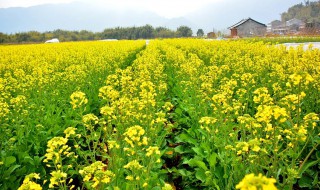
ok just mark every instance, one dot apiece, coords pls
pixel 28 3
pixel 177 8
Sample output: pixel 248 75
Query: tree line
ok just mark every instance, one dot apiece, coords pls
pixel 130 33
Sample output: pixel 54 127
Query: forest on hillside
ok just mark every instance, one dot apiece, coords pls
pixel 307 12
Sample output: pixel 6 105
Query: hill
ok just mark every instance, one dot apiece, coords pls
pixel 307 12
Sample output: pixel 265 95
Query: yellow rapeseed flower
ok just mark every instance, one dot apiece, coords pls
pixel 78 99
pixel 70 131
pixel 28 184
pixel 260 182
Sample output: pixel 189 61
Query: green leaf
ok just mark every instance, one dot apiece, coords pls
pixel 219 172
pixel 38 160
pixel 181 149
pixel 213 160
pixel 178 111
pixel 183 172
pixel 201 175
pixel 194 162
pixel 199 151
pixel 316 179
pixel 73 172
pixel 22 170
pixel 203 132
pixel 29 160
pixel 308 165
pixel 9 160
pixel 184 137
pixel 318 154
pixel 305 181
pixel 10 170
pixel 216 185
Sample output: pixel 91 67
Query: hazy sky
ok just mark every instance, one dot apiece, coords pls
pixel 86 14
pixel 158 6
pixel 165 8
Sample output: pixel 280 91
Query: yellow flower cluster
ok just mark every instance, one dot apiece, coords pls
pixel 260 182
pixel 133 166
pixel 113 144
pixel 78 99
pixel 262 96
pixel 152 150
pixel 57 146
pixel 167 187
pixel 69 131
pixel 311 119
pixel 133 136
pixel 244 147
pixel 4 109
pixel 167 106
pixel 297 79
pixel 57 178
pixel 96 174
pixel 267 113
pixel 107 110
pixel 108 93
pixel 206 122
pixel 90 120
pixel 298 133
pixel 18 102
pixel 28 184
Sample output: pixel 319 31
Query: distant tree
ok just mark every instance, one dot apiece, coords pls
pixel 200 33
pixel 48 36
pixel 22 37
pixel 86 35
pixel 147 31
pixel 162 32
pixel 184 31
pixel 3 37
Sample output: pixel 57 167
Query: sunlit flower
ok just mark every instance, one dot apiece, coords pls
pixel 260 182
pixel 78 99
pixel 28 184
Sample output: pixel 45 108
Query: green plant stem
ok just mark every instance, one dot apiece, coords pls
pixel 304 147
pixel 307 157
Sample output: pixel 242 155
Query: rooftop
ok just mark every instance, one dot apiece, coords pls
pixel 243 21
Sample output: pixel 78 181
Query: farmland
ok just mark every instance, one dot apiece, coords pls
pixel 176 114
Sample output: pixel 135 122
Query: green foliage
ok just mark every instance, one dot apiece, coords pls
pixel 200 33
pixel 184 31
pixel 310 12
pixel 129 33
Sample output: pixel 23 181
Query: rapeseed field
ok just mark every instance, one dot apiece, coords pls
pixel 175 114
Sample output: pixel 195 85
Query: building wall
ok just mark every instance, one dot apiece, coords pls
pixel 251 28
pixel 234 32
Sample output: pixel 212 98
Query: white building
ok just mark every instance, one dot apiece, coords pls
pixel 54 40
